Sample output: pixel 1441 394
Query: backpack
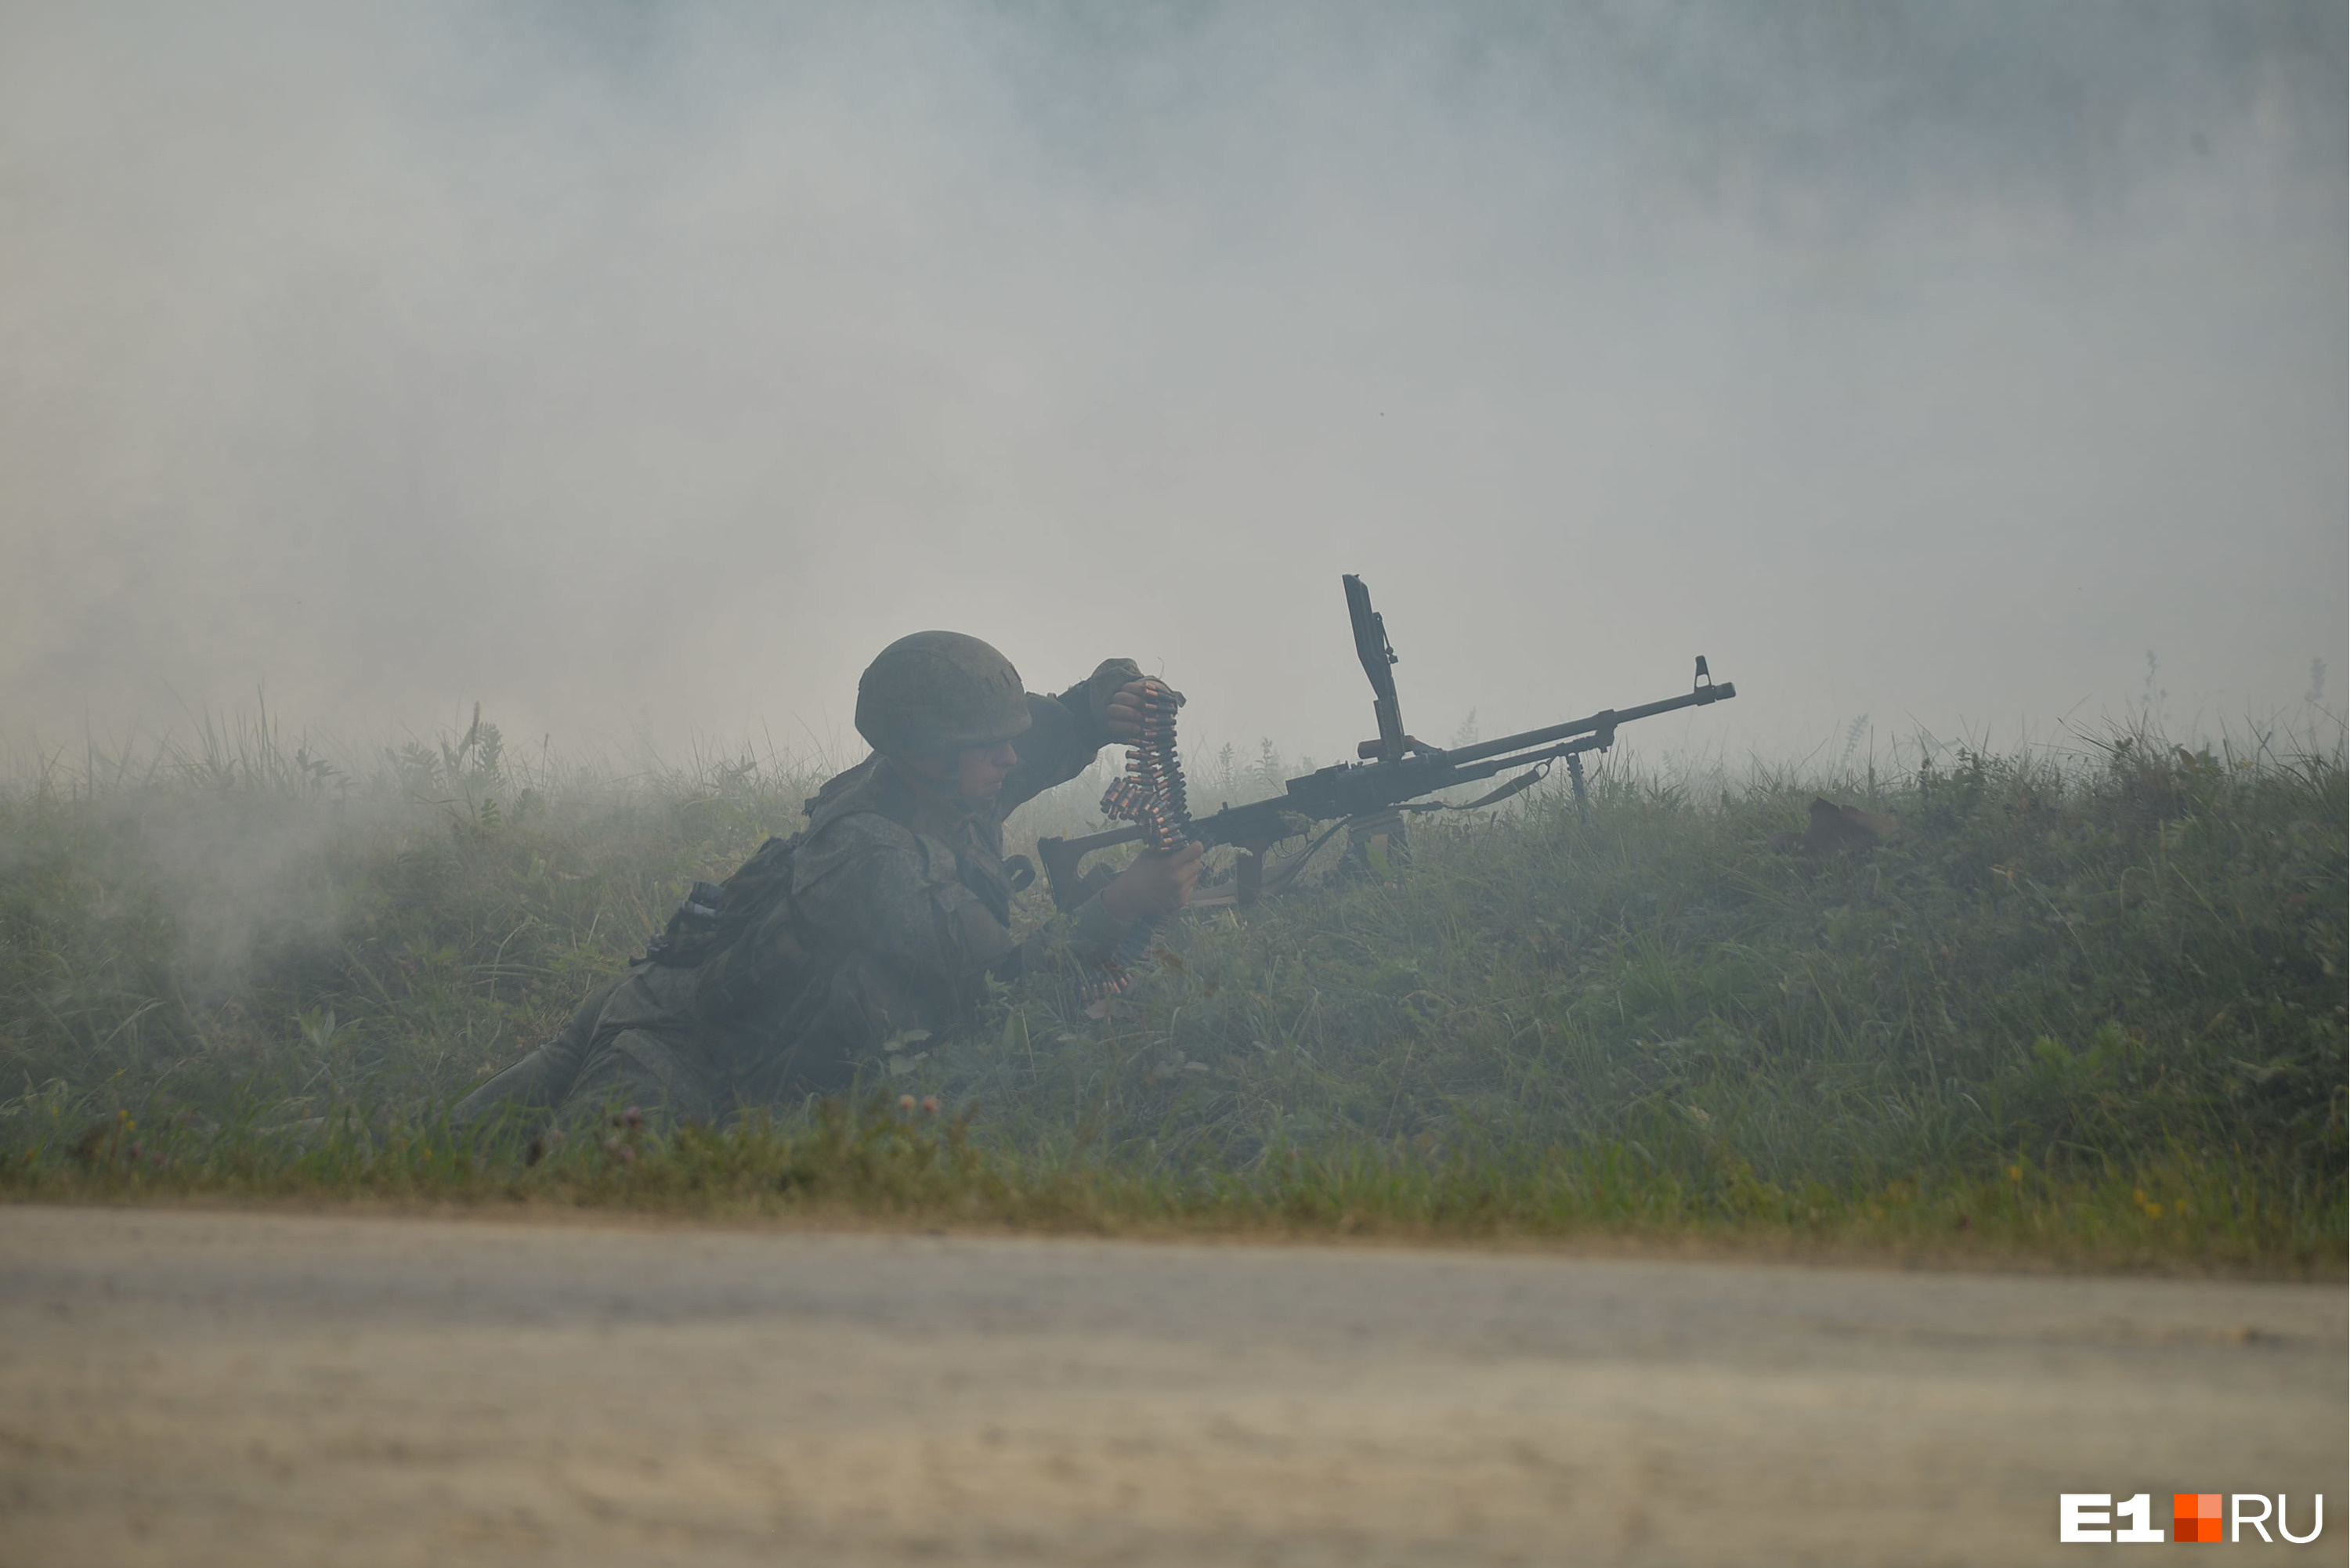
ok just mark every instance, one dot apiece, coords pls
pixel 714 916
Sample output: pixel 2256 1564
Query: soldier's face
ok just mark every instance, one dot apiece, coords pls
pixel 980 771
pixel 973 774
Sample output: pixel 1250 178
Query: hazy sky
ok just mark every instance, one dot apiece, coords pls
pixel 639 369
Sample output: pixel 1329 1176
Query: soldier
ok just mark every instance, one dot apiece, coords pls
pixel 883 917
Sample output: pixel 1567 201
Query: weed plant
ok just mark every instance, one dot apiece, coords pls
pixel 2087 1006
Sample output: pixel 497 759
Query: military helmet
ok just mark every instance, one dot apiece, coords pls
pixel 939 691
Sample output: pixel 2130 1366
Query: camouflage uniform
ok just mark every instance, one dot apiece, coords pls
pixel 899 910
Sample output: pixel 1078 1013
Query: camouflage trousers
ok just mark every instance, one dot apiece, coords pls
pixel 641 1040
pixel 631 1043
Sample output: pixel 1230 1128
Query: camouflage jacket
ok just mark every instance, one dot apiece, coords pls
pixel 900 910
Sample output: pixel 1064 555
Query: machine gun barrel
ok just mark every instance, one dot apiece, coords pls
pixel 1397 768
pixel 1603 722
pixel 1355 789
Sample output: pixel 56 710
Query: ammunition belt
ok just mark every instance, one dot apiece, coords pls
pixel 1152 796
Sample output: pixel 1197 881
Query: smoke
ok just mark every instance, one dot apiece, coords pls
pixel 641 370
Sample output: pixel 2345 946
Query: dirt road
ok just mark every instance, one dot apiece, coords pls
pixel 192 1388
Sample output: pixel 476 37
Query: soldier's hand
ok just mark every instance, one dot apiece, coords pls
pixel 1122 716
pixel 1154 884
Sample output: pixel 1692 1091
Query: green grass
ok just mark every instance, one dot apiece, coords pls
pixel 883 1165
pixel 2090 1009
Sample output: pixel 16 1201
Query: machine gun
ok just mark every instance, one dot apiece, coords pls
pixel 1391 770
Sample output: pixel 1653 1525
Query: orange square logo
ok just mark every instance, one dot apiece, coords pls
pixel 2194 1516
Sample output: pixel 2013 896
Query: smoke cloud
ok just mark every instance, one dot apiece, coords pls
pixel 639 370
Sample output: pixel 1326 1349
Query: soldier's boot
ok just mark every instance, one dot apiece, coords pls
pixel 541 1081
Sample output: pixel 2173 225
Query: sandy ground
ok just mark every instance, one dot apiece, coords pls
pixel 194 1388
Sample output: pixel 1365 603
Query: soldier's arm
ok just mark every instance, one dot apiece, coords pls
pixel 875 885
pixel 1065 732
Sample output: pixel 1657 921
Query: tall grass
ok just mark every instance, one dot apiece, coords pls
pixel 2090 985
pixel 2071 963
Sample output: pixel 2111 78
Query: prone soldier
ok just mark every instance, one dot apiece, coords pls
pixel 883 917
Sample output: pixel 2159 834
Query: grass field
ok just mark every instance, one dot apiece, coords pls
pixel 2086 1008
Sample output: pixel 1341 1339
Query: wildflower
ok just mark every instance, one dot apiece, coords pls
pixel 2015 1173
pixel 633 1117
pixel 906 1104
pixel 2154 1210
pixel 930 1105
